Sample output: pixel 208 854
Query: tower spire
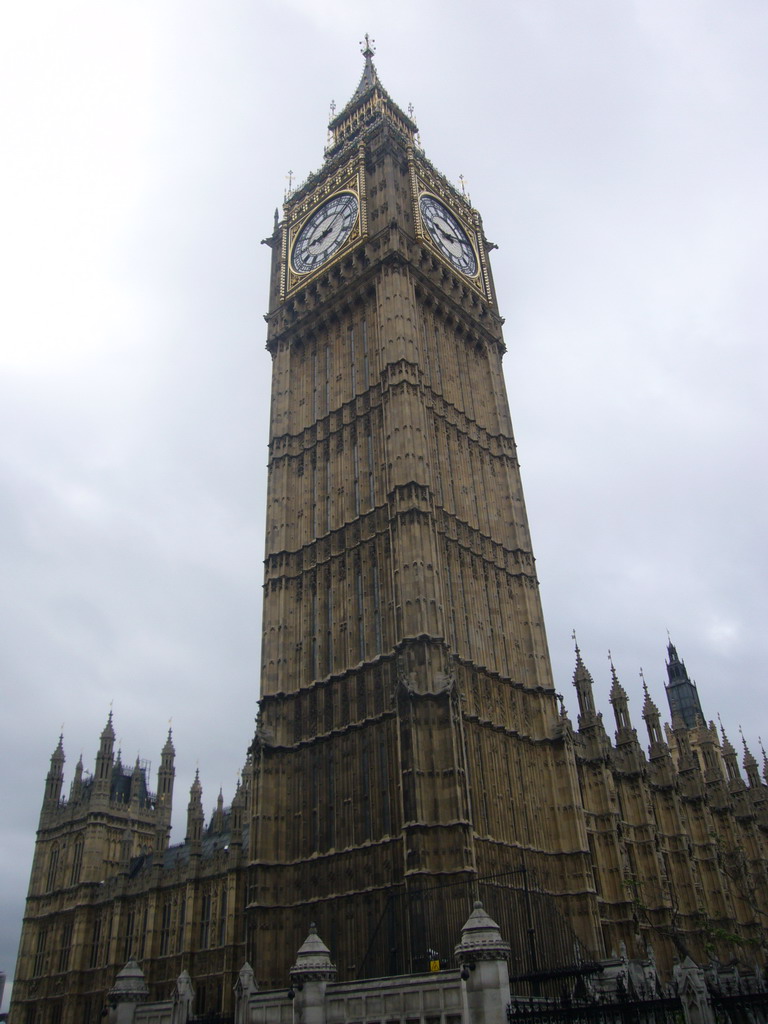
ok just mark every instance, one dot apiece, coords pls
pixel 55 778
pixel 370 100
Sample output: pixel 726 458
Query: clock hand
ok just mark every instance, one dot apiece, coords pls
pixel 328 230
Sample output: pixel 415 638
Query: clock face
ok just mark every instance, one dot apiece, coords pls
pixel 448 235
pixel 325 232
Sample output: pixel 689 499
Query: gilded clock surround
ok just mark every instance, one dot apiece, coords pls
pixel 304 204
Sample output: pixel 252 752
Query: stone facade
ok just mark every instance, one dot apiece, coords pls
pixel 410 747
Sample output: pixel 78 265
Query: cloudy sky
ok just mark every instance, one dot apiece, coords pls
pixel 617 152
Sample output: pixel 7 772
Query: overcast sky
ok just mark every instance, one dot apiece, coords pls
pixel 617 153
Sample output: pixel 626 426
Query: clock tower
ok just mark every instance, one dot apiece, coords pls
pixel 409 745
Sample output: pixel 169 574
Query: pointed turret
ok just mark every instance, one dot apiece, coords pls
pixel 105 757
pixel 236 820
pixel 730 758
pixel 584 684
pixel 652 719
pixel 217 821
pixel 138 784
pixel 165 776
pixel 369 102
pixel 55 777
pixel 592 737
pixel 620 704
pixel 750 766
pixel 76 789
pixel 682 694
pixel 195 816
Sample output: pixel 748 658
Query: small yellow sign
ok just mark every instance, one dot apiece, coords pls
pixel 434 965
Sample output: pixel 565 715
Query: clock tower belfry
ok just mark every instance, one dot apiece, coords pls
pixel 409 744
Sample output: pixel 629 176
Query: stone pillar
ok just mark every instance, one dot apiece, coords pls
pixel 692 987
pixel 129 990
pixel 309 976
pixel 183 997
pixel 482 955
pixel 245 986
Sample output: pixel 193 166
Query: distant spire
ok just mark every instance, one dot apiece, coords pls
pixel 652 719
pixel 750 763
pixel 618 699
pixel 168 747
pixel 369 101
pixel 370 76
pixel 730 757
pixel 108 732
pixel 583 682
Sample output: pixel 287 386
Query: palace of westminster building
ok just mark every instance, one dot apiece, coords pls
pixel 410 752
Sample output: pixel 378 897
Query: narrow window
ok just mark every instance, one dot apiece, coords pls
pixel 205 921
pixel 360 613
pixel 53 867
pixel 329 620
pixel 40 953
pixel 364 329
pixel 223 917
pixel 377 610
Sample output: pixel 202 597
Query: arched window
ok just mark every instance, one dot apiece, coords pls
pixel 77 863
pixel 53 867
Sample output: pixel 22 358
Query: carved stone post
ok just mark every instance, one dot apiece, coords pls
pixel 245 986
pixel 689 978
pixel 309 976
pixel 129 990
pixel 183 997
pixel 482 955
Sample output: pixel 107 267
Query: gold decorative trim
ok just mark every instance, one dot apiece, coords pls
pixel 349 179
pixel 469 221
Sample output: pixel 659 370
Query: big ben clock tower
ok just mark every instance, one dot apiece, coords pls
pixel 409 744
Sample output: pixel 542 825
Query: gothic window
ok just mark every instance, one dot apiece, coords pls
pixel 377 610
pixel 205 920
pixel 223 917
pixel 329 623
pixel 364 331
pixel 371 477
pixel 130 921
pixel 386 819
pixel 328 479
pixel 351 350
pixel 327 379
pixel 365 781
pixel 65 947
pixel 360 612
pixel 53 866
pixel 314 839
pixel 165 929
pixel 182 920
pixel 313 630
pixel 356 469
pixel 438 373
pixel 314 385
pixel 330 806
pixel 95 943
pixel 39 965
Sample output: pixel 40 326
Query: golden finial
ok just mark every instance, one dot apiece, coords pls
pixel 462 179
pixel 575 641
pixel 368 50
